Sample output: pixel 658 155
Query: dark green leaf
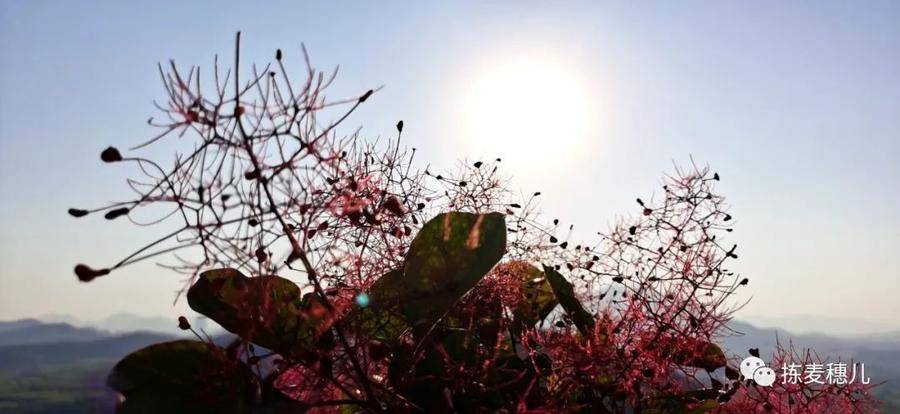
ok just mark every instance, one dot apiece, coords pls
pixel 565 294
pixel 382 319
pixel 183 377
pixel 706 355
pixel 537 300
pixel 266 310
pixel 704 406
pixel 451 253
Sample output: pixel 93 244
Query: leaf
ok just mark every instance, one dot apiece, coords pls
pixel 565 294
pixel 732 373
pixel 266 310
pixel 537 299
pixel 667 403
pixel 382 319
pixel 690 402
pixel 180 377
pixel 478 317
pixel 704 407
pixel 706 355
pixel 451 253
pixel 441 267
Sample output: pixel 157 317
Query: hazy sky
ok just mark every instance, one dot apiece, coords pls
pixel 796 104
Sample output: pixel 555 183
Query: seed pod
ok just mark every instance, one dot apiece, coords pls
pixel 261 255
pixel 116 213
pixel 355 216
pixel 77 212
pixel 393 205
pixel 85 273
pixel 372 218
pixel 252 175
pixel 183 323
pixel 111 154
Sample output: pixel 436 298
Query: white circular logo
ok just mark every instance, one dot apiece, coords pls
pixel 764 376
pixel 751 364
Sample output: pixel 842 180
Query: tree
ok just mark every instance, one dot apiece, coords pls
pixel 355 282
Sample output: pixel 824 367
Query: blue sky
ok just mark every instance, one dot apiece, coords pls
pixel 797 105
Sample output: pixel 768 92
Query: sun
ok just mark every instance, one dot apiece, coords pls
pixel 534 108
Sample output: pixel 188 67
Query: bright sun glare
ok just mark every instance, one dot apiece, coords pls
pixel 530 110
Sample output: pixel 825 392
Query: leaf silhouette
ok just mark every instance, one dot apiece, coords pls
pixel 266 310
pixel 180 377
pixel 565 294
pixel 451 253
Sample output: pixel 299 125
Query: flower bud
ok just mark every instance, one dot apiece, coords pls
pixel 85 273
pixel 111 154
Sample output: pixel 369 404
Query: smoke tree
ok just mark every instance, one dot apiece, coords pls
pixel 355 282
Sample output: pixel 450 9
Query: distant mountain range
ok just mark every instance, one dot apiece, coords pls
pixel 32 331
pixel 60 368
pixel 828 325
pixel 37 355
pixel 119 323
pixel 55 367
pixel 880 353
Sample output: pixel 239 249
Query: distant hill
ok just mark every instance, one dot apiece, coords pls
pixel 880 353
pixel 21 323
pixel 59 368
pixel 125 322
pixel 855 347
pixel 19 357
pixel 30 331
pixel 44 375
pixel 828 325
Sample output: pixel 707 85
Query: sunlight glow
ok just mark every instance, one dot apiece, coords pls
pixel 529 109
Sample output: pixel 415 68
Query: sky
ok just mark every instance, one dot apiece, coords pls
pixel 795 104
